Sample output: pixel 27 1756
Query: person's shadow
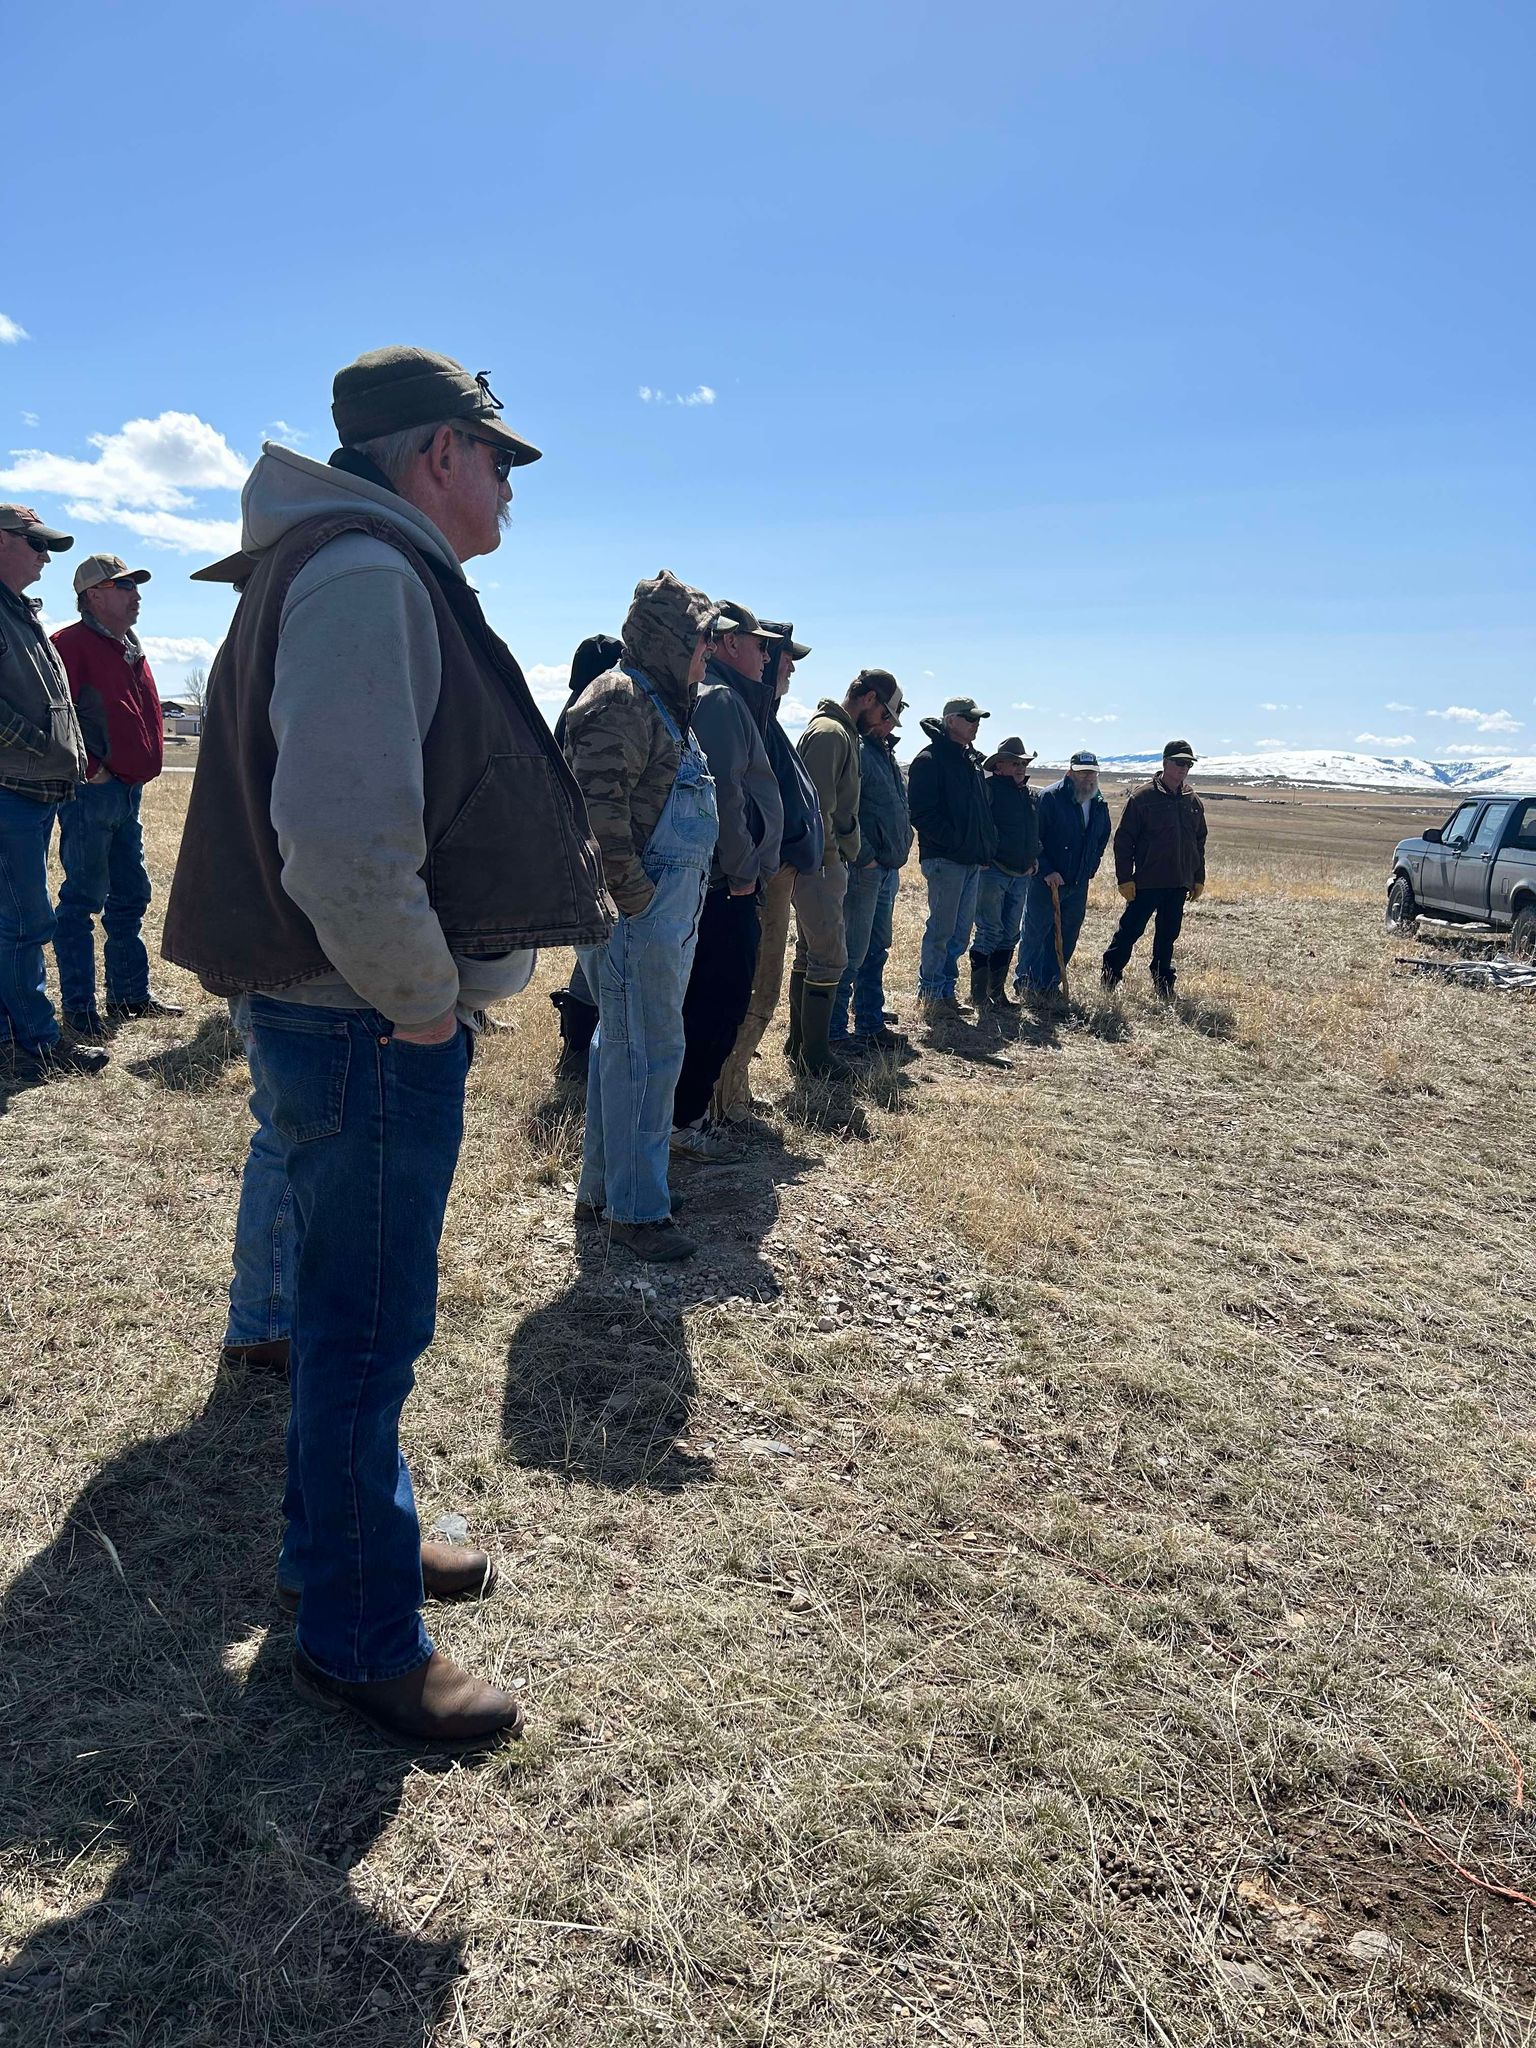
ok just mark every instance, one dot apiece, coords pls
pixel 600 1380
pixel 156 1757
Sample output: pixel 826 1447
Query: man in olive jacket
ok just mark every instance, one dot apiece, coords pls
pixel 1159 867
pixel 829 748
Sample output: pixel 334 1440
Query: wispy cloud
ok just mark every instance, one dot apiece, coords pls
pixel 145 477
pixel 183 648
pixel 1383 739
pixel 1274 746
pixel 1397 707
pixel 793 715
pixel 550 682
pixel 29 419
pixel 701 394
pixel 1016 707
pixel 1099 717
pixel 12 331
pixel 1279 707
pixel 1480 721
pixel 279 430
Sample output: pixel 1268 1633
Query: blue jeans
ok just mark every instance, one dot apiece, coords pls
pixel 101 850
pixel 867 913
pixel 641 977
pixel 261 1287
pixel 1037 948
pixel 26 922
pixel 370 1129
pixel 1000 911
pixel 951 910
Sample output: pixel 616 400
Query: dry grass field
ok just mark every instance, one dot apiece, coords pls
pixel 1058 1570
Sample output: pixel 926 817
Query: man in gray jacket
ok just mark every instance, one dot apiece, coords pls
pixel 729 720
pixel 380 831
pixel 42 758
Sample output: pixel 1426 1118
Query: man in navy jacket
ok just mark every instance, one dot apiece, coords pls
pixel 1074 831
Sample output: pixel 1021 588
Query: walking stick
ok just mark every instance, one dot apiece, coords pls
pixel 1061 958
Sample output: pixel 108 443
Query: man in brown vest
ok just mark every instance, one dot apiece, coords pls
pixel 380 832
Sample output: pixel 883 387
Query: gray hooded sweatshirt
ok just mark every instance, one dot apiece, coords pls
pixel 357 681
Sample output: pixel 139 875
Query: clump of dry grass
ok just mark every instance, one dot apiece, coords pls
pixel 1058 1571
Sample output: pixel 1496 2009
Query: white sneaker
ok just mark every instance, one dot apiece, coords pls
pixel 704 1140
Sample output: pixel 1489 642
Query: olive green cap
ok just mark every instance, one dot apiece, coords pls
pixel 390 389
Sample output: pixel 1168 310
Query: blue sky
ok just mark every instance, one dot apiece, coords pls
pixel 1162 366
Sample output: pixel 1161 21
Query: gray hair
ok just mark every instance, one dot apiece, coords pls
pixel 394 453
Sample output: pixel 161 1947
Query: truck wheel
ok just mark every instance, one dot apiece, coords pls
pixel 1402 911
pixel 1522 936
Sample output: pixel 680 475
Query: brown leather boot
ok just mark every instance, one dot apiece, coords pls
pixel 448 1572
pixel 436 1706
pixel 268 1357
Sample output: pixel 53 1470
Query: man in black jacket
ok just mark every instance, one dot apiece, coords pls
pixel 1159 867
pixel 1001 891
pixel 885 840
pixel 956 838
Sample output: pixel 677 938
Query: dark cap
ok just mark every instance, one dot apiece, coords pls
pixel 964 707
pixel 1178 750
pixel 23 520
pixel 1084 758
pixel 390 389
pixel 237 568
pixel 781 629
pixel 740 618
pixel 1009 750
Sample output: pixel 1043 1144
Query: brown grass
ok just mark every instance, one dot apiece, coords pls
pixel 1135 1615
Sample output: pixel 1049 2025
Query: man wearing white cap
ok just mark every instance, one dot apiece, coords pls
pixel 101 842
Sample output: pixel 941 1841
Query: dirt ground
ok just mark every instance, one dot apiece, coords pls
pixel 1056 1569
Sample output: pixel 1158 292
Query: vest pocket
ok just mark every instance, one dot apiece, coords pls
pixel 503 864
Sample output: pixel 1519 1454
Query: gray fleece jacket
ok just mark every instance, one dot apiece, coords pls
pixel 357 681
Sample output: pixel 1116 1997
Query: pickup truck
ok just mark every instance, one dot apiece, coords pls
pixel 1479 867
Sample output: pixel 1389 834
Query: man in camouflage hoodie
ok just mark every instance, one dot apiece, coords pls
pixel 651 805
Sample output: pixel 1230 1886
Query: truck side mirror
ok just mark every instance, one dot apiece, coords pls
pixel 1431 835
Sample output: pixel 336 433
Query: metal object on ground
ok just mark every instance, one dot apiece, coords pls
pixel 1498 972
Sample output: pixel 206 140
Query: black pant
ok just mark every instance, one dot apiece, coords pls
pixel 1167 906
pixel 719 990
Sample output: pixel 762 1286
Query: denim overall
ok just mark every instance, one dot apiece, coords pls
pixel 639 979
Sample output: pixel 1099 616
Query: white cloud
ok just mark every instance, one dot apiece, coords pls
pixel 184 648
pixel 1279 707
pixel 1016 707
pixel 1100 718
pixel 144 477
pixel 279 430
pixel 1271 746
pixel 29 419
pixel 12 330
pixel 550 681
pixel 928 672
pixel 793 715
pixel 1397 707
pixel 1383 739
pixel 701 394
pixel 1482 721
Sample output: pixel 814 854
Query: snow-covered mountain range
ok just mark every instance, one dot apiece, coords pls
pixel 1341 770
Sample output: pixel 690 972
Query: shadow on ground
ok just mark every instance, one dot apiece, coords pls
pixel 151 1732
pixel 600 1381
pixel 197 1063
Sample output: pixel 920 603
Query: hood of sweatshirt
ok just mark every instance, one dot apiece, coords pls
pixel 661 632
pixel 284 489
pixel 934 727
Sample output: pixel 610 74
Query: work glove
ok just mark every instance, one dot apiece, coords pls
pixel 1197 892
pixel 1127 890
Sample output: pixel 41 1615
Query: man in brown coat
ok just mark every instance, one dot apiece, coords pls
pixel 1159 866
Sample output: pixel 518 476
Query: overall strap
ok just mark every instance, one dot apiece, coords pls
pixel 638 675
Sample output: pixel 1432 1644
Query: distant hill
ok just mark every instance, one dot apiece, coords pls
pixel 1321 767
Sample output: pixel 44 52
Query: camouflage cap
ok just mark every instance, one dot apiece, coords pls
pixel 23 520
pixel 390 389
pixel 105 569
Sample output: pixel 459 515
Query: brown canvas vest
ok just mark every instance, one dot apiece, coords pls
pixel 510 860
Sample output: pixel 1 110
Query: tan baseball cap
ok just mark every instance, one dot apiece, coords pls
pixel 23 520
pixel 105 569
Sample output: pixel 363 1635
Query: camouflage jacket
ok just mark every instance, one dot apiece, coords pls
pixel 626 763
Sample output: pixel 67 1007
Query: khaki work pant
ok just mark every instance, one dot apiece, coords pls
pixel 821 943
pixel 733 1091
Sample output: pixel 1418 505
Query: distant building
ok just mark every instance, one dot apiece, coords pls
pixel 182 721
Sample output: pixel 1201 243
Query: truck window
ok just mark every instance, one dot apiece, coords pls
pixel 1524 834
pixel 1491 827
pixel 1459 830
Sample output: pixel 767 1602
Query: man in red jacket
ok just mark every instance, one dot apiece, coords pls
pixel 101 843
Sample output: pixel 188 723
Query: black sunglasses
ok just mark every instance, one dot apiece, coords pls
pixel 38 547
pixel 501 458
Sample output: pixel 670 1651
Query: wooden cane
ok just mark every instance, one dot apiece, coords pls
pixel 1061 957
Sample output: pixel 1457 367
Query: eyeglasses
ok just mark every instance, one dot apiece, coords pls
pixel 501 458
pixel 121 583
pixel 38 547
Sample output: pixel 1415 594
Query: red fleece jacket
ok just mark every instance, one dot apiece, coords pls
pixel 117 704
